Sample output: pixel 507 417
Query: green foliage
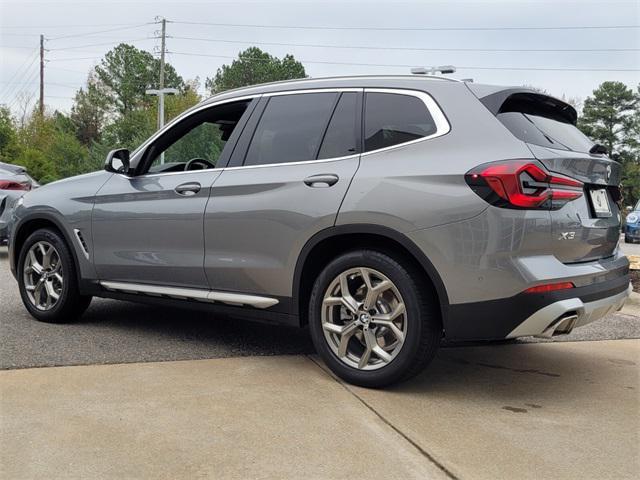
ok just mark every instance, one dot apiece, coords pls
pixel 254 66
pixel 124 75
pixel 8 136
pixel 611 117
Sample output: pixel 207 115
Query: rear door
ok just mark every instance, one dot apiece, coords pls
pixel 587 228
pixel 291 173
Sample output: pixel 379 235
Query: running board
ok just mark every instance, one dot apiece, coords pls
pixel 191 294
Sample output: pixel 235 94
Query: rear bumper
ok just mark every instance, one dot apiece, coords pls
pixel 536 313
pixel 549 320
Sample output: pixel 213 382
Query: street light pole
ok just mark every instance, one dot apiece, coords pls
pixel 161 92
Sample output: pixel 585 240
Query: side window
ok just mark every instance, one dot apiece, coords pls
pixel 201 137
pixel 291 128
pixel 340 139
pixel 391 119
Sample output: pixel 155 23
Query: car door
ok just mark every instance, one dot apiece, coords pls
pixel 147 226
pixel 291 173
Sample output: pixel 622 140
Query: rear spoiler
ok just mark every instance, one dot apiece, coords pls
pixel 524 100
pixel 15 169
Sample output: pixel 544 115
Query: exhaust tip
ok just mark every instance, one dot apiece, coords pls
pixel 563 325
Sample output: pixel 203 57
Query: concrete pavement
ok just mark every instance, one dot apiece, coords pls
pixel 553 410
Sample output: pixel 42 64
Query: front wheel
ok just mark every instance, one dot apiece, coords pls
pixel 373 320
pixel 47 279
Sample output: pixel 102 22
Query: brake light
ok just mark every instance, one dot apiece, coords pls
pixel 550 287
pixel 9 185
pixel 522 184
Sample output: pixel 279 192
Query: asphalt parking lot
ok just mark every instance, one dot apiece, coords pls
pixel 250 400
pixel 121 332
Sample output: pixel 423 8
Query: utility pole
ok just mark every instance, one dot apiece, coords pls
pixel 161 92
pixel 41 106
pixel 161 83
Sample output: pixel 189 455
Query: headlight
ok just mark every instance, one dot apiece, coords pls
pixel 633 218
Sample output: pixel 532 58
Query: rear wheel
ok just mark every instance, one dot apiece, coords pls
pixel 372 320
pixel 47 279
pixel 627 239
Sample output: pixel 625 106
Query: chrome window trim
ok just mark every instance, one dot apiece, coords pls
pixel 442 124
pixel 314 90
pixel 301 162
pixel 191 294
pixel 188 113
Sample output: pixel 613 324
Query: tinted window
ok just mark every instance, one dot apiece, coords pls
pixel 545 131
pixel 391 119
pixel 340 139
pixel 291 128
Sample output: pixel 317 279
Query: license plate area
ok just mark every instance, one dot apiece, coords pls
pixel 600 202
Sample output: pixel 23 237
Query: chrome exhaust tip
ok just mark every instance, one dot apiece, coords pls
pixel 563 325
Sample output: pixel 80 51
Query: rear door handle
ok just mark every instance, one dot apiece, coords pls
pixel 321 181
pixel 188 189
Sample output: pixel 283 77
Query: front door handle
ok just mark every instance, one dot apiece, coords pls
pixel 188 189
pixel 321 181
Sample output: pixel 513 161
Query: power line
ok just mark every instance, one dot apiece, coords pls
pixel 553 69
pixel 81 25
pixel 101 44
pixel 21 72
pixel 86 34
pixel 367 47
pixel 411 29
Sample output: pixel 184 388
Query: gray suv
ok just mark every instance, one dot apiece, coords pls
pixel 383 212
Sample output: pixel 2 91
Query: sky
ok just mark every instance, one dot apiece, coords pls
pixel 398 35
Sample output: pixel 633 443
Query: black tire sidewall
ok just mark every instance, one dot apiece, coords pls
pixel 70 301
pixel 408 289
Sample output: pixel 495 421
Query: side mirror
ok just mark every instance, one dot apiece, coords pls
pixel 117 161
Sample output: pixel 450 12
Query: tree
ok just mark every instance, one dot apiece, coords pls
pixel 8 136
pixel 126 72
pixel 611 117
pixel 89 111
pixel 608 115
pixel 254 66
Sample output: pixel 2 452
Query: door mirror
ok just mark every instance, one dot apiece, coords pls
pixel 117 161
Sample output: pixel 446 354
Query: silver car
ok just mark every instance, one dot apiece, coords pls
pixel 384 213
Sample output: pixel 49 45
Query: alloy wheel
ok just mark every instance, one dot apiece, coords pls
pixel 43 277
pixel 364 318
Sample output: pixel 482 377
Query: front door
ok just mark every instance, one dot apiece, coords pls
pixel 148 226
pixel 291 178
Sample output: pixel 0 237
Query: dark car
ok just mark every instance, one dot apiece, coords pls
pixel 14 182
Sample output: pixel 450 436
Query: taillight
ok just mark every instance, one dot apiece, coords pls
pixel 522 184
pixel 9 185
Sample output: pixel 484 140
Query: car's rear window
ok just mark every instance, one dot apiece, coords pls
pixel 391 119
pixel 546 132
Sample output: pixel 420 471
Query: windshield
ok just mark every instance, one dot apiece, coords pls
pixel 637 209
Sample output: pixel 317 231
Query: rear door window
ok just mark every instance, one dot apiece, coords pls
pixel 391 119
pixel 341 137
pixel 291 128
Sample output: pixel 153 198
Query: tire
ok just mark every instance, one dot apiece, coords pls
pixel 627 239
pixel 420 324
pixel 59 273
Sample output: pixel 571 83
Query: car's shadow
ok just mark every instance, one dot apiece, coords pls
pixel 155 323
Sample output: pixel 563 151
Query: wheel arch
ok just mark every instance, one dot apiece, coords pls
pixel 333 241
pixel 30 224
